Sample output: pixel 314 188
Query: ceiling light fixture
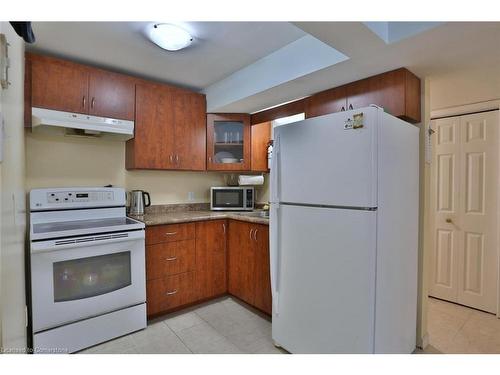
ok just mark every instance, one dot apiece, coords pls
pixel 169 37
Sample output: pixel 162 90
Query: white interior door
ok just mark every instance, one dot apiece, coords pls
pixel 478 262
pixel 464 201
pixel 445 181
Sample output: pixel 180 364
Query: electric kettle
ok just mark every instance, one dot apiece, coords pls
pixel 138 202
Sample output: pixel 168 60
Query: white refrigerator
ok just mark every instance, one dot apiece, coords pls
pixel 344 233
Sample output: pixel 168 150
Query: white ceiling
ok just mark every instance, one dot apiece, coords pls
pixel 223 48
pixel 219 48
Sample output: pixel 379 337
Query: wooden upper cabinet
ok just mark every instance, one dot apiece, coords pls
pixel 261 135
pixel 58 84
pixel 328 101
pixel 285 110
pixel 397 91
pixel 190 130
pixel 153 144
pixel 228 142
pixel 111 95
pixel 67 86
pixel 169 129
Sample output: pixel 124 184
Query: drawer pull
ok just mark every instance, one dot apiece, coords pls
pixel 170 233
pixel 172 292
pixel 170 259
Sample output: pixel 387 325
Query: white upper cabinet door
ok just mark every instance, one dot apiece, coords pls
pixel 328 160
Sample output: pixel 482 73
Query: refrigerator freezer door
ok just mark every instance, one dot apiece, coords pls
pixel 327 160
pixel 323 265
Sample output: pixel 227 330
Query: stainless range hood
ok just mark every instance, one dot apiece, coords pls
pixel 78 124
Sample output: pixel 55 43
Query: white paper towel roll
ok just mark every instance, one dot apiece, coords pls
pixel 250 180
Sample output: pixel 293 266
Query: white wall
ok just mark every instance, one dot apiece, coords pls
pixel 12 296
pixel 465 87
pixel 55 161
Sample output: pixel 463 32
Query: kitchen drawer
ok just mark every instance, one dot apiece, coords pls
pixel 169 233
pixel 170 292
pixel 170 258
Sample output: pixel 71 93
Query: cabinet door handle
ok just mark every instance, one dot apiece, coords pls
pixel 170 259
pixel 251 230
pixel 92 103
pixel 350 106
pixel 177 159
pixel 170 157
pixel 209 159
pixel 172 292
pixel 170 233
pixel 224 228
pixel 83 101
pixel 255 234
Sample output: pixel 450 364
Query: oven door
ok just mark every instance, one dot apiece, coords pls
pixel 227 199
pixel 81 277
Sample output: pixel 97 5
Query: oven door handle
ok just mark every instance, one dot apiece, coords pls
pixel 84 241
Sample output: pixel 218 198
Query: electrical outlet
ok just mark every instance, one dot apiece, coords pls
pixel 191 196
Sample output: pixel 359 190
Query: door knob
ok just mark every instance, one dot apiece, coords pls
pixel 448 220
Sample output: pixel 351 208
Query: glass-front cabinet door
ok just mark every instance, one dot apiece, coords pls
pixel 228 142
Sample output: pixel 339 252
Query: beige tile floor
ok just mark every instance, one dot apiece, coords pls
pixel 227 326
pixel 221 326
pixel 457 329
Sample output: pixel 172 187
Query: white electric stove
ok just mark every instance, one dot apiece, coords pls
pixel 88 282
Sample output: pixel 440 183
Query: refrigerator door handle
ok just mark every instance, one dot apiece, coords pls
pixel 275 170
pixel 274 255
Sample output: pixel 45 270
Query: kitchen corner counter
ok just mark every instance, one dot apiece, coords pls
pixel 160 218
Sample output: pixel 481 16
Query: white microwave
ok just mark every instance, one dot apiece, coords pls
pixel 232 198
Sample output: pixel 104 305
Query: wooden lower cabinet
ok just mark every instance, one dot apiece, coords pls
pixel 170 267
pixel 262 271
pixel 241 278
pixel 248 266
pixel 211 276
pixel 169 233
pixel 170 258
pixel 191 262
pixel 170 292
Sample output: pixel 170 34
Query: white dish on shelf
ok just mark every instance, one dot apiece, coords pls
pixel 229 160
pixel 222 155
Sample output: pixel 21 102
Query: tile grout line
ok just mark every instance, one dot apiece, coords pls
pixel 220 333
pixel 176 335
pixel 226 337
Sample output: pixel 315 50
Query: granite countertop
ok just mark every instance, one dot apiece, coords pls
pixel 186 215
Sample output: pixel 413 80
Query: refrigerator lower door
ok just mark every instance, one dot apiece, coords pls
pixel 323 274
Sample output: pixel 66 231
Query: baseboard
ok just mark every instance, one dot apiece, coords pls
pixel 423 342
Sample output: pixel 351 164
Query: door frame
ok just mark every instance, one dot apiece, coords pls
pixel 462 110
